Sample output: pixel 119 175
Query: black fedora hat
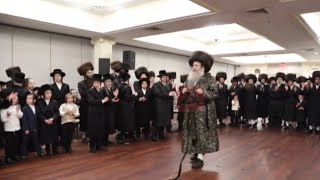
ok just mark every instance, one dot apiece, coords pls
pixel 44 88
pixel 162 73
pixel 107 77
pixel 57 71
pixel 18 77
pixel 97 77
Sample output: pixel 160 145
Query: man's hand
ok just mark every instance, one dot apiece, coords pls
pixel 199 91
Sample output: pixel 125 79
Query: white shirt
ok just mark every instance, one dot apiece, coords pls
pixel 47 102
pixel 67 107
pixel 59 85
pixel 144 91
pixel 33 108
pixel 317 86
pixel 11 123
pixel 235 105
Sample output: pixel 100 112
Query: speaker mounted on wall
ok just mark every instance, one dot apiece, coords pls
pixel 129 57
pixel 104 66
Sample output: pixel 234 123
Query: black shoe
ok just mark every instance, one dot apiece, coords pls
pixel 40 154
pixel 197 164
pixel 310 131
pixel 17 159
pixel 194 157
pixel 317 132
pixel 23 157
pixel 9 161
pixel 93 149
pixel 153 138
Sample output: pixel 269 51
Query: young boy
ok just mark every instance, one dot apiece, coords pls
pixel 301 112
pixel 11 121
pixel 30 127
pixel 235 107
pixel 48 116
pixel 68 112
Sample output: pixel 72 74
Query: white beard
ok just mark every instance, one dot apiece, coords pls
pixel 193 77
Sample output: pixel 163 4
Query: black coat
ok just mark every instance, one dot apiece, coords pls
pixel 263 100
pixel 29 119
pixel 313 106
pixel 48 133
pixel 127 120
pixel 142 108
pixel 250 102
pixel 170 86
pixel 96 114
pixel 59 94
pixel 116 84
pixel 109 108
pixel 162 104
pixel 83 89
pixel 276 103
pixel 291 97
pixel 301 114
pixel 222 102
pixel 237 90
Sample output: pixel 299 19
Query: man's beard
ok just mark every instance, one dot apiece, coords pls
pixel 193 77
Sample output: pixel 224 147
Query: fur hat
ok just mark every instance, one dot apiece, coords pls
pixel 251 76
pixel 235 79
pixel 19 77
pixel 315 74
pixel 301 79
pixel 151 74
pixel 141 70
pixel 280 75
pixel 82 70
pixel 57 71
pixel 172 75
pixel 271 79
pixel 44 88
pixel 10 71
pixel 183 78
pixel 291 77
pixel 144 80
pixel 263 76
pixel 204 58
pixel 221 75
pixel 241 76
pixel 116 66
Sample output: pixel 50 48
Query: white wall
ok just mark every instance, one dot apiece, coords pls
pixel 156 61
pixel 38 53
pixel 304 69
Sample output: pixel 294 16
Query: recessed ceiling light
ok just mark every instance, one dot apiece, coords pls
pixel 222 39
pixel 267 59
pixel 316 53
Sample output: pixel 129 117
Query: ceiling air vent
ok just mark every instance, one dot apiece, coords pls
pixel 153 29
pixel 258 11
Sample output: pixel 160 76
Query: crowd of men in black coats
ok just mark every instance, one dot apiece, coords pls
pixel 110 104
pixel 285 101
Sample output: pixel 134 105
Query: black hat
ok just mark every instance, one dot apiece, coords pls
pixel 280 75
pixel 172 75
pixel 263 76
pixel 57 71
pixel 301 79
pixel 125 67
pixel 18 77
pixel 2 83
pixel 151 74
pixel 10 71
pixel 107 77
pixel 44 88
pixel 204 58
pixel 162 73
pixel 235 79
pixel 251 76
pixel 97 77
pixel 291 77
pixel 141 70
pixel 315 74
pixel 271 79
pixel 82 70
pixel 144 80
pixel 116 66
pixel 183 78
pixel 301 93
pixel 221 75
pixel 124 76
pixel 241 76
pixel 36 89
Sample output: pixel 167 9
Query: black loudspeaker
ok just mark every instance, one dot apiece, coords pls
pixel 104 66
pixel 129 57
